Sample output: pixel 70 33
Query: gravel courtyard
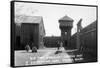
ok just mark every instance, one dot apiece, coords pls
pixel 43 56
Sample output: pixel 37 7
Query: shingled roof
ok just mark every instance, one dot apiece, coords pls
pixel 66 18
pixel 27 19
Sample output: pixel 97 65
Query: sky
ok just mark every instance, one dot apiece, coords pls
pixel 51 13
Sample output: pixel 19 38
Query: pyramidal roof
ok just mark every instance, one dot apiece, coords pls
pixel 66 18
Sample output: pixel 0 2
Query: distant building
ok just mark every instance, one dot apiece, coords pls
pixel 29 29
pixel 51 41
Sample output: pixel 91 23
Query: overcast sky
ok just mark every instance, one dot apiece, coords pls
pixel 52 13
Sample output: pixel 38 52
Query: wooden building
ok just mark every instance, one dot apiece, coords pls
pixel 51 41
pixel 29 29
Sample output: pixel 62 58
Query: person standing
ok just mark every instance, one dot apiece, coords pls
pixel 58 45
pixel 27 48
pixel 61 44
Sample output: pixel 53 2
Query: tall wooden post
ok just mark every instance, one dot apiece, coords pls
pixel 79 28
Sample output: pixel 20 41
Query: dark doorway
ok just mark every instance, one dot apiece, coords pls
pixel 65 42
pixel 17 43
